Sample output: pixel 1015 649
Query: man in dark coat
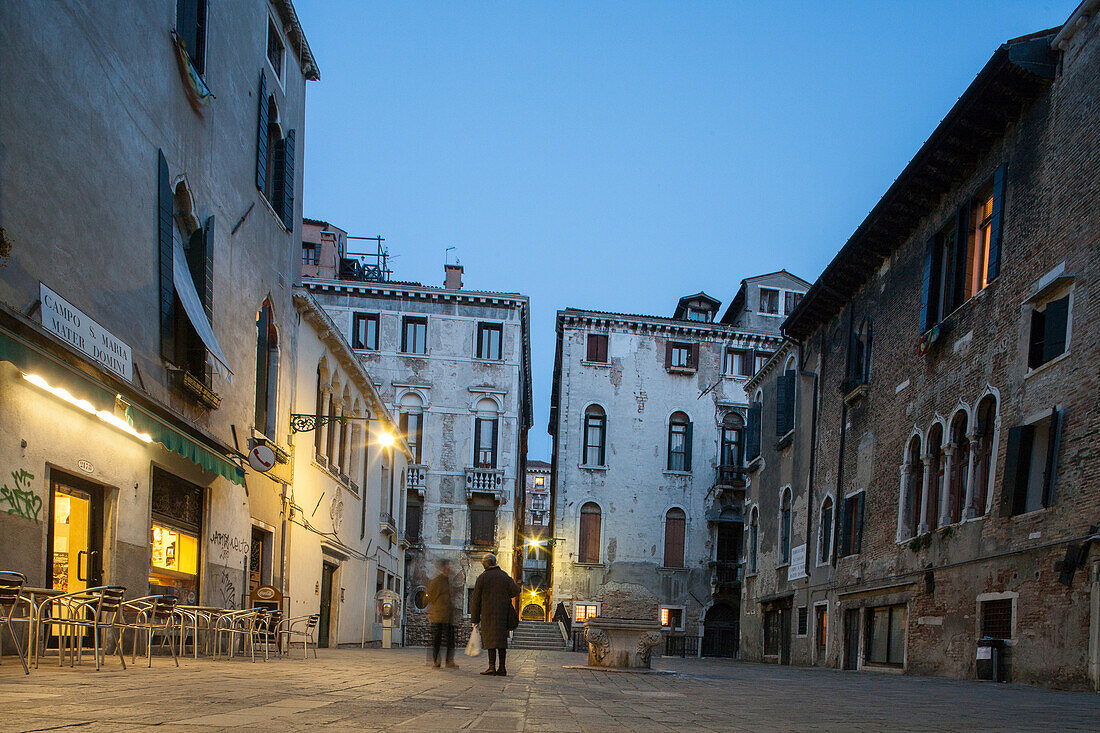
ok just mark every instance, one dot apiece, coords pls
pixel 492 608
pixel 441 614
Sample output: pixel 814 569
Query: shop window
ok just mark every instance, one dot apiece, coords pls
pixel 769 301
pixel 191 29
pixel 675 524
pixel 1031 464
pixel 851 525
pixel 364 331
pixel 174 536
pixel 414 335
pixel 679 442
pixel 997 619
pixel 588 549
pixel 584 611
pixel 597 348
pixel 965 255
pixel 595 435
pixel 672 619
pixel 489 337
pixel 885 635
pixel 1049 333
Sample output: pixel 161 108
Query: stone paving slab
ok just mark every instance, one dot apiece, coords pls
pixel 376 690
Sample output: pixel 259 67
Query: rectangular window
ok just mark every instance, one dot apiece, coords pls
pixel 311 254
pixel 482 525
pixel 489 336
pixel 414 513
pixel 672 619
pixel 821 630
pixel 803 620
pixel 191 29
pixel 594 439
pixel 414 335
pixel 851 525
pixel 997 619
pixel 1049 327
pixel 761 359
pixel 677 446
pixel 885 635
pixel 485 443
pixel 738 363
pixel 412 428
pixel 790 301
pixel 702 316
pixel 1031 464
pixel 769 301
pixel 597 348
pixel 584 611
pixel 540 480
pixel 364 331
pixel 177 508
pixel 681 356
pixel 275 53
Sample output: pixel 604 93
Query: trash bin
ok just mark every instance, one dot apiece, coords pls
pixel 990 659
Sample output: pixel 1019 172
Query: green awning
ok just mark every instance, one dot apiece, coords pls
pixel 31 359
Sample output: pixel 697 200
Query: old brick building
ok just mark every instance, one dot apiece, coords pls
pixel 947 359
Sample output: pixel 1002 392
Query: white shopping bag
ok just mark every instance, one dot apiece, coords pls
pixel 473 647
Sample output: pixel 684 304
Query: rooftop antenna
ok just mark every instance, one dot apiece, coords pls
pixel 447 256
pixel 372 266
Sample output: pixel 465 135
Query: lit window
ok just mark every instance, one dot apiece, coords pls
pixel 584 611
pixel 672 618
pixel 539 481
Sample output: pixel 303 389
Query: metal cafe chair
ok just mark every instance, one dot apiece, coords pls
pixel 98 610
pixel 267 631
pixel 236 624
pixel 150 614
pixel 11 599
pixel 304 627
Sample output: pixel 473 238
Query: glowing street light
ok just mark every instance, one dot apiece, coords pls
pixel 386 439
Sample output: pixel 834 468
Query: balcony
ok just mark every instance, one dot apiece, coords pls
pixel 416 478
pixel 730 477
pixel 386 524
pixel 488 481
pixel 727 575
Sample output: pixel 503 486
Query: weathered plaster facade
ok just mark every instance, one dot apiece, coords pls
pixel 635 389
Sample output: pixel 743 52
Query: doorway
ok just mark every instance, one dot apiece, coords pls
pixel 75 542
pixel 851 638
pixel 328 572
pixel 721 631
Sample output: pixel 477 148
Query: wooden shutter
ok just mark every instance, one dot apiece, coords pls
pixel 668 355
pixel 958 268
pixel 1036 346
pixel 286 201
pixel 601 347
pixel 674 540
pixel 668 452
pixel 844 538
pixel 1054 328
pixel 493 461
pixel 687 446
pixel 1017 467
pixel 167 300
pixel 748 357
pixel 1054 432
pixel 477 442
pixel 694 356
pixel 208 269
pixel 603 439
pixel 589 545
pixel 996 224
pixel 857 526
pixel 261 137
pixel 930 287
pixel 784 403
pixel 403 425
pixel 752 439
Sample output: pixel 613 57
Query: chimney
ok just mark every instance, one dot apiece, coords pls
pixel 452 277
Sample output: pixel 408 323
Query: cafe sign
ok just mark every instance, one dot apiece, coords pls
pixel 72 326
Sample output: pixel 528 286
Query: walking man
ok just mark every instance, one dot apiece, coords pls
pixel 492 608
pixel 441 613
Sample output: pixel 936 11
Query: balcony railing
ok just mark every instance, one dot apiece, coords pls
pixel 731 476
pixel 485 481
pixel 386 524
pixel 728 573
pixel 416 477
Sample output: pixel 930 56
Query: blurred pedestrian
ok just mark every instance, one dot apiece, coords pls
pixel 441 614
pixel 492 608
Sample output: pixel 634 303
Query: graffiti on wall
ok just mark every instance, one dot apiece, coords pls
pixel 225 589
pixel 225 544
pixel 21 500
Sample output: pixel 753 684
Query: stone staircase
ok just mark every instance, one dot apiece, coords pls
pixel 537 635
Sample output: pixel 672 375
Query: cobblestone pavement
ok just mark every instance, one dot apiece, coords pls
pixel 351 689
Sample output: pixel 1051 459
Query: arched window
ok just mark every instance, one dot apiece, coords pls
pixel 960 464
pixel 752 540
pixel 267 370
pixel 318 433
pixel 679 442
pixel 486 431
pixel 412 423
pixel 588 544
pixel 333 425
pixel 730 453
pixel 913 477
pixel 825 533
pixel 675 524
pixel 983 454
pixel 934 458
pixel 595 435
pixel 785 526
pixel 274 135
pixel 859 356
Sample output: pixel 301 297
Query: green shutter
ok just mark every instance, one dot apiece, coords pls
pixel 996 224
pixel 167 298
pixel 1054 328
pixel 286 171
pixel 687 446
pixel 1054 434
pixel 752 439
pixel 930 288
pixel 261 137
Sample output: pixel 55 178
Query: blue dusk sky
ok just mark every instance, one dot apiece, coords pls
pixel 619 155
